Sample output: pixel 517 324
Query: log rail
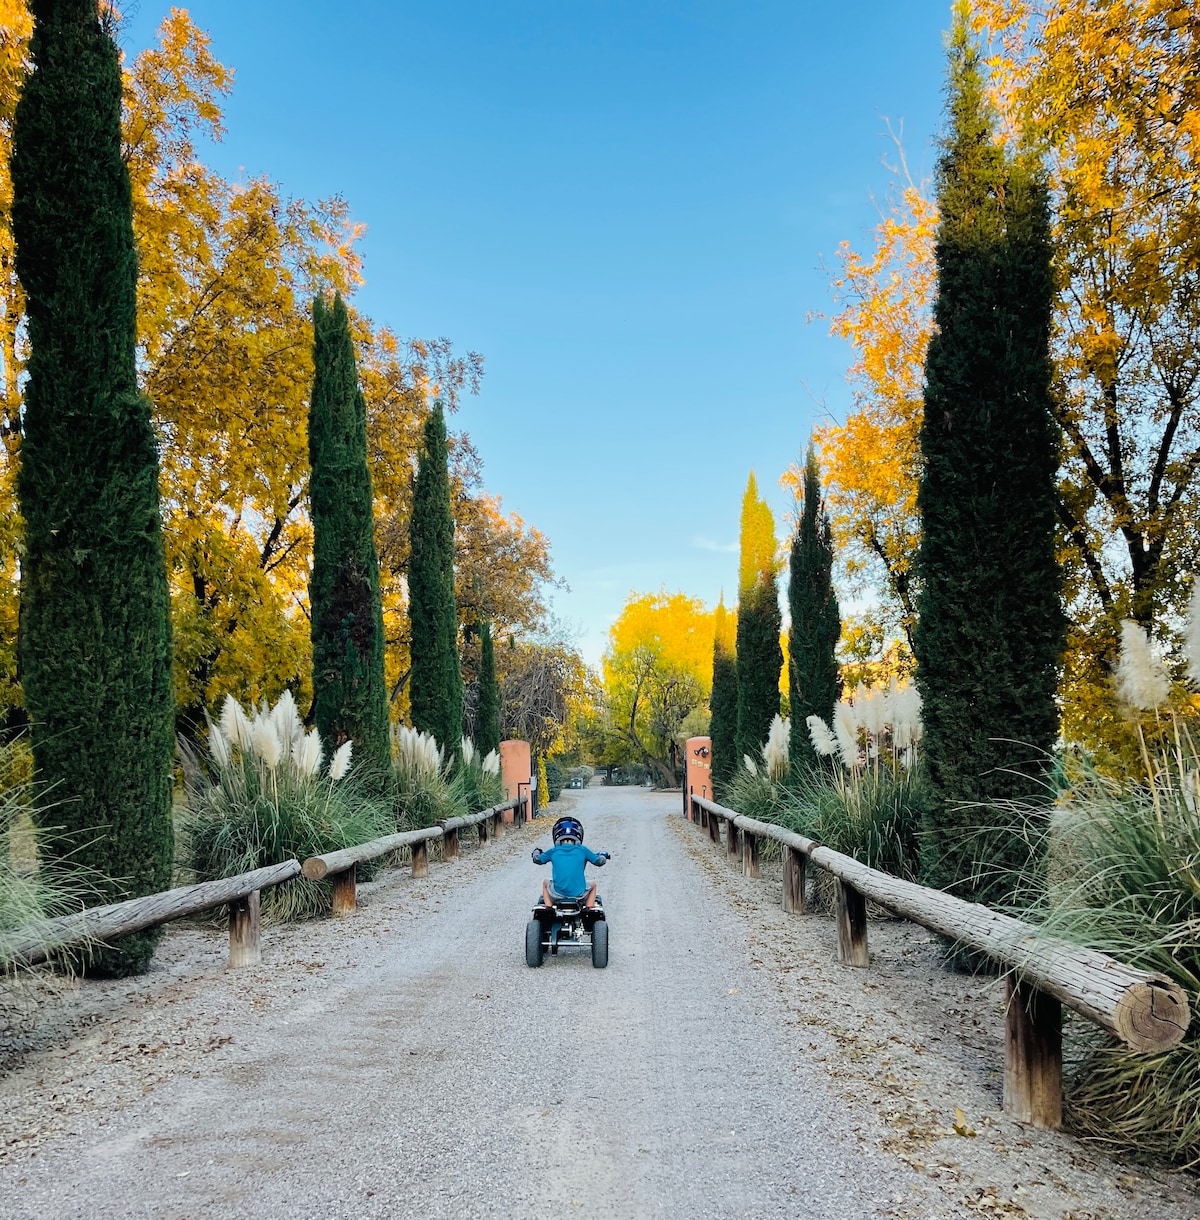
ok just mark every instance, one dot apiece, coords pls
pixel 37 942
pixel 342 866
pixel 1148 1012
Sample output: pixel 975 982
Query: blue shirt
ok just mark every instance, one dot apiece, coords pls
pixel 567 862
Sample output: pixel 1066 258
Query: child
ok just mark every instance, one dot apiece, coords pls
pixel 568 858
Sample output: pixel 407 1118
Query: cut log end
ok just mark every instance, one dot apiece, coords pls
pixel 1152 1016
pixel 315 869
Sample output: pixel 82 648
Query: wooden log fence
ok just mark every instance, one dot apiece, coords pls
pixel 1148 1012
pixel 98 925
pixel 37 942
pixel 342 866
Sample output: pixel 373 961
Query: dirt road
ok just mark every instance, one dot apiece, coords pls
pixel 407 1063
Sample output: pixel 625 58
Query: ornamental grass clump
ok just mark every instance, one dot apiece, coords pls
pixel 476 780
pixel 1123 876
pixel 423 791
pixel 266 797
pixel 33 885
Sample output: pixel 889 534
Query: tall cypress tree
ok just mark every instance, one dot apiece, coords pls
pixel 435 685
pixel 990 633
pixel 814 682
pixel 759 622
pixel 723 702
pixel 94 643
pixel 349 690
pixel 487 731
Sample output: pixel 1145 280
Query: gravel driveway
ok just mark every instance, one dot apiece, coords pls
pixel 407 1063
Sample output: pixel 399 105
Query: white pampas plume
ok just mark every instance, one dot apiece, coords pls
pixel 1191 638
pixel 749 764
pixel 775 752
pixel 1142 680
pixel 871 707
pixel 266 742
pixel 218 745
pixel 339 764
pixel 468 751
pixel 905 705
pixel 845 728
pixel 824 742
pixel 490 764
pixel 307 753
pixel 235 724
pixel 286 716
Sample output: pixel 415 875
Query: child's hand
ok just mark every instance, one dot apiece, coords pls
pixel 537 855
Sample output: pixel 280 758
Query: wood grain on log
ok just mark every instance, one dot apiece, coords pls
pixel 420 859
pixel 750 865
pixel 793 881
pixel 1033 1056
pixel 851 910
pixel 245 927
pixel 35 942
pixel 345 892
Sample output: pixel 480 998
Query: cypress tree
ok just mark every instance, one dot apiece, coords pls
pixel 723 702
pixel 94 641
pixel 814 682
pixel 991 628
pixel 759 622
pixel 349 690
pixel 435 685
pixel 487 731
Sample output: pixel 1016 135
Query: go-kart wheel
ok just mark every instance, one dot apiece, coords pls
pixel 535 953
pixel 600 944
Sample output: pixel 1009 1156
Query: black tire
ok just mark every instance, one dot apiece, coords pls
pixel 535 954
pixel 600 944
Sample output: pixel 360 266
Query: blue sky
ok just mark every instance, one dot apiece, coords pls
pixel 630 208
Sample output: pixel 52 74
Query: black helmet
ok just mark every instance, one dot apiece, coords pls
pixel 567 828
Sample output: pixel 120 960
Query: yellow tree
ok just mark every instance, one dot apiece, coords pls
pixel 1108 92
pixel 870 462
pixel 658 669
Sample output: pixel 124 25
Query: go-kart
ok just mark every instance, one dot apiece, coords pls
pixel 567 924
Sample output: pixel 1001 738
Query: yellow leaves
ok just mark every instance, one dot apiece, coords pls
pixel 758 560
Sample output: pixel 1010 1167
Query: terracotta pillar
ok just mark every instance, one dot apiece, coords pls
pixel 697 775
pixel 516 771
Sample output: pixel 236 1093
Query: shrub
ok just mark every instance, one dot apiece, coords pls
pixel 266 798
pixel 555 780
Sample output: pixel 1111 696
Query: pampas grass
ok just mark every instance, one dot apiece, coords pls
pixel 421 783
pixel 1142 679
pixel 775 751
pixel 264 800
pixel 1123 876
pixel 32 888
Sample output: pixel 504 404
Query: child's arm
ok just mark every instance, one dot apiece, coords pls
pixel 599 859
pixel 541 857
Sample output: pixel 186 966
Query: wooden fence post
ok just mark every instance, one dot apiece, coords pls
pixel 851 925
pixel 714 826
pixel 793 881
pixel 1033 1056
pixel 750 855
pixel 498 826
pixel 482 827
pixel 244 927
pixel 450 844
pixel 733 838
pixel 345 891
pixel 420 858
